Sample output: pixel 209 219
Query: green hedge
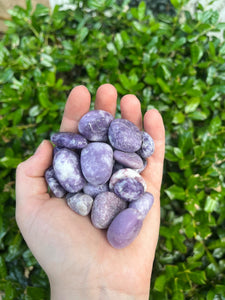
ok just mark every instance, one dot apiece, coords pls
pixel 170 63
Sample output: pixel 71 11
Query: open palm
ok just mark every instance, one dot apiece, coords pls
pixel 77 258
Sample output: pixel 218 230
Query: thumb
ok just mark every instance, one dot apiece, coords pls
pixel 30 179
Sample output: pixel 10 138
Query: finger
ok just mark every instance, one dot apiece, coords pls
pixel 131 109
pixel 106 98
pixel 30 179
pixel 153 124
pixel 77 104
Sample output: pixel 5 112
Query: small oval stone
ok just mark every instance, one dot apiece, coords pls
pixel 124 228
pixel 67 170
pixel 124 135
pixel 129 189
pixel 105 207
pixel 126 173
pixel 94 125
pixel 143 204
pixel 53 183
pixel 128 159
pixel 69 140
pixel 94 190
pixel 147 146
pixel 97 162
pixel 80 203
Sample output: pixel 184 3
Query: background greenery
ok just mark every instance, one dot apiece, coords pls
pixel 171 63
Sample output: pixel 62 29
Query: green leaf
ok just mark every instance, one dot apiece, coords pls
pixel 175 192
pixel 196 53
pixel 6 76
pixel 192 104
pixel 160 283
pixel 211 204
pixel 141 10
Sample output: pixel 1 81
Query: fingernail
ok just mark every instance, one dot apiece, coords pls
pixel 39 147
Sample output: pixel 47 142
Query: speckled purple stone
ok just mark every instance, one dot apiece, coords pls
pixel 105 207
pixel 69 140
pixel 147 146
pixel 129 160
pixel 80 203
pixel 143 204
pixel 124 228
pixel 97 162
pixel 67 170
pixel 129 189
pixel 124 135
pixel 94 190
pixel 94 125
pixel 53 183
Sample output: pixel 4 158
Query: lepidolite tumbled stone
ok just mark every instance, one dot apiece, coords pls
pixel 129 189
pixel 97 162
pixel 105 207
pixel 147 146
pixel 129 160
pixel 67 170
pixel 94 125
pixel 124 135
pixel 143 204
pixel 69 140
pixel 53 183
pixel 94 190
pixel 80 203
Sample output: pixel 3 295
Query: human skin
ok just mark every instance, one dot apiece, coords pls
pixel 77 258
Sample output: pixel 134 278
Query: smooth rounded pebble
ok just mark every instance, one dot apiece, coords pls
pixel 97 162
pixel 129 189
pixel 124 135
pixel 128 159
pixel 80 203
pixel 126 173
pixel 94 190
pixel 124 228
pixel 94 125
pixel 53 183
pixel 67 170
pixel 105 207
pixel 143 204
pixel 69 140
pixel 147 146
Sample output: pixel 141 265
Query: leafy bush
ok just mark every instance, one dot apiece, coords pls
pixel 170 63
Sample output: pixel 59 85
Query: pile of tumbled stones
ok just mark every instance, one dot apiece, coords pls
pixel 98 172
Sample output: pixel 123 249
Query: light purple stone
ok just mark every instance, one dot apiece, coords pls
pixel 147 146
pixel 94 125
pixel 97 162
pixel 124 228
pixel 143 204
pixel 126 173
pixel 143 167
pixel 67 170
pixel 124 135
pixel 94 190
pixel 105 207
pixel 128 159
pixel 69 140
pixel 53 183
pixel 129 189
pixel 80 203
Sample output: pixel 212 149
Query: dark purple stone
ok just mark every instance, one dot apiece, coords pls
pixel 69 140
pixel 94 190
pixel 147 146
pixel 128 159
pixel 53 183
pixel 129 189
pixel 143 204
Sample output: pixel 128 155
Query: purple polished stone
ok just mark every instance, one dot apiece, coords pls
pixel 124 228
pixel 147 146
pixel 105 207
pixel 80 203
pixel 53 183
pixel 67 170
pixel 94 125
pixel 129 160
pixel 97 162
pixel 129 189
pixel 126 173
pixel 69 140
pixel 143 204
pixel 94 190
pixel 143 167
pixel 124 135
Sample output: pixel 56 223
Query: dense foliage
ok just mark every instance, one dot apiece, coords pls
pixel 170 63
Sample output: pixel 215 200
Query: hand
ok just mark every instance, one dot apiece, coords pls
pixel 76 257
